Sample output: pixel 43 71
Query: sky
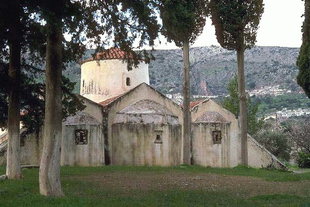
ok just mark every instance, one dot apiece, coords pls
pixel 280 26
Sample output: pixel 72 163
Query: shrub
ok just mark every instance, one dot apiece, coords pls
pixel 276 142
pixel 303 160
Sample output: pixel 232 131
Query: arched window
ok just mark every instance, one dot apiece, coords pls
pixel 158 139
pixel 128 82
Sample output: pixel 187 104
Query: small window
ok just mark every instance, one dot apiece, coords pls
pixel 81 137
pixel 217 137
pixel 158 139
pixel 83 85
pixel 128 82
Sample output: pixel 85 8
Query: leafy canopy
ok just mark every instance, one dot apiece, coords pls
pixel 182 20
pixel 97 23
pixel 236 22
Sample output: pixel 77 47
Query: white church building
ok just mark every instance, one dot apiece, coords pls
pixel 127 122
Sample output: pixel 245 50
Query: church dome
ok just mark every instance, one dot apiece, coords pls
pixel 107 75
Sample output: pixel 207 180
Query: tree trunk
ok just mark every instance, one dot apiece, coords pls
pixel 186 106
pixel 13 169
pixel 49 176
pixel 243 108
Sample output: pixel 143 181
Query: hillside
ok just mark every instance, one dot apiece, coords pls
pixel 213 67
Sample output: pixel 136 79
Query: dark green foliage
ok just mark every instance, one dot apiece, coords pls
pixel 303 61
pixel 303 160
pixel 122 22
pixel 32 99
pixel 236 22
pixel 183 20
pixel 231 103
pixel 276 142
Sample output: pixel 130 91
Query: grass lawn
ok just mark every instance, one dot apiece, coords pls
pixel 159 186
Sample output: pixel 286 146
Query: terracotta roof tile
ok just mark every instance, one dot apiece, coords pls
pixel 195 103
pixel 110 100
pixel 112 53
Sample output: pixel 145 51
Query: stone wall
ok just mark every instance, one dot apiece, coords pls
pixel 90 154
pixel 136 144
pixel 234 141
pixel 260 157
pixel 31 149
pixel 205 151
pixel 142 92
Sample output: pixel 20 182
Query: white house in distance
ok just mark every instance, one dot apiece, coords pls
pixel 127 122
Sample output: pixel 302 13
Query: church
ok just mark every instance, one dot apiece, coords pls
pixel 127 122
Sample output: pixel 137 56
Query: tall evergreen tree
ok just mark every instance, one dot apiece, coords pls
pixel 183 21
pixel 231 103
pixel 236 23
pixel 303 62
pixel 10 49
pixel 23 27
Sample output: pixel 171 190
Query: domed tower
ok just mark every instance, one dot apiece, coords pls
pixel 107 75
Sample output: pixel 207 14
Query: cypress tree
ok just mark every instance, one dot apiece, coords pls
pixel 303 61
pixel 183 21
pixel 236 23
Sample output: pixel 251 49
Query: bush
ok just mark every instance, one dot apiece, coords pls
pixel 275 142
pixel 303 160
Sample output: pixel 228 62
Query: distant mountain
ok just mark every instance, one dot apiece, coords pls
pixel 213 67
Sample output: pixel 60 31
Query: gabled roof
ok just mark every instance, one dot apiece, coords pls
pixel 107 103
pixel 110 100
pixel 211 117
pixel 146 112
pixel 146 106
pixel 81 118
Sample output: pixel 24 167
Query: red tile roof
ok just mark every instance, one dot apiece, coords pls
pixel 112 53
pixel 195 103
pixel 110 100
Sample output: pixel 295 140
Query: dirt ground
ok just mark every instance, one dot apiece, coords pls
pixel 240 186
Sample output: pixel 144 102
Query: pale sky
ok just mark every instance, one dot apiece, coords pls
pixel 280 26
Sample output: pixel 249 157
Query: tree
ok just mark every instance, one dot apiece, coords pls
pixel 92 20
pixel 276 142
pixel 299 132
pixel 236 24
pixel 32 99
pixel 303 61
pixel 10 46
pixel 183 21
pixel 231 103
pixel 49 176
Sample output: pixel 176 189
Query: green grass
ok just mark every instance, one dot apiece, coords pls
pixel 269 175
pixel 78 192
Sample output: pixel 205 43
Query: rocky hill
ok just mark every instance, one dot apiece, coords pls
pixel 212 68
